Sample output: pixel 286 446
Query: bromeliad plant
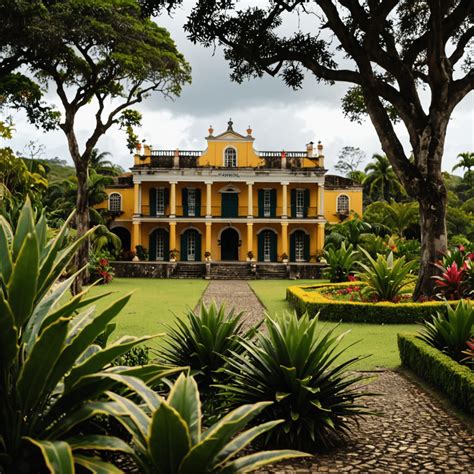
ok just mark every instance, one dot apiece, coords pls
pixel 200 340
pixel 169 439
pixel 387 278
pixel 50 365
pixel 449 331
pixel 298 366
pixel 341 262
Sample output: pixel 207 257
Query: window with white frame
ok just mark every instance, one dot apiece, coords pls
pixel 191 202
pixel 160 246
pixel 299 246
pixel 230 158
pixel 300 203
pixel 267 246
pixel 160 201
pixel 115 202
pixel 267 202
pixel 342 204
pixel 191 246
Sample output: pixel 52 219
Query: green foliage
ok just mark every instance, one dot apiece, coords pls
pixel 450 331
pixel 351 231
pixel 311 299
pixel 103 239
pixel 398 216
pixel 141 252
pixel 169 439
pixel 381 180
pixel 128 120
pixel 295 364
pixel 50 367
pixel 200 341
pixel 99 267
pixel 341 262
pixel 454 379
pixel 135 356
pixel 387 278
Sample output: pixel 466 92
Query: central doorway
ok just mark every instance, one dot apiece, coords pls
pixel 229 244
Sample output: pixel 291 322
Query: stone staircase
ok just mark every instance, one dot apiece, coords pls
pixel 231 271
pixel 272 271
pixel 189 270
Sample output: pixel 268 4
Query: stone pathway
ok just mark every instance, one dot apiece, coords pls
pixel 415 434
pixel 235 294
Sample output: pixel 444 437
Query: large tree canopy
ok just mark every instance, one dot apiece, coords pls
pixel 103 56
pixel 389 50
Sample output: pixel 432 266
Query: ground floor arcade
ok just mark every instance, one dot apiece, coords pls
pixel 224 241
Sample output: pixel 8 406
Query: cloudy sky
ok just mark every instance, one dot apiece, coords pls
pixel 280 117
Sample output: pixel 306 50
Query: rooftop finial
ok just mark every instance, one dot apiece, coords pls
pixel 229 125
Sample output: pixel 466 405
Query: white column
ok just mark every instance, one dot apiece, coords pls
pixel 208 199
pixel 250 199
pixel 321 200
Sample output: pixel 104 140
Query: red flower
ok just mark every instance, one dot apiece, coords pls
pixel 461 248
pixel 351 278
pixel 103 262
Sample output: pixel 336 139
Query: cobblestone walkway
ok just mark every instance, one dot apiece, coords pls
pixel 235 294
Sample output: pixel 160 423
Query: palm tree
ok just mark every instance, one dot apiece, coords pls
pixel 401 215
pixel 101 165
pixel 466 161
pixel 381 179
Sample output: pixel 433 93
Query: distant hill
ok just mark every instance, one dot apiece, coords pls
pixel 58 169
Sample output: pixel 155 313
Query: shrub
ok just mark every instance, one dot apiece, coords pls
pixel 450 284
pixel 386 277
pixel 449 332
pixel 134 357
pixel 200 341
pixel 100 268
pixel 141 252
pixel 341 262
pixel 50 367
pixel 296 365
pixel 454 379
pixel 168 437
pixel 311 298
pixel 469 352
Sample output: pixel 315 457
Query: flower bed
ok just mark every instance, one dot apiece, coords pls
pixel 454 379
pixel 312 298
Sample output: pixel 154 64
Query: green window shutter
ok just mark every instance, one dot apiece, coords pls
pixel 306 202
pixel 183 252
pixel 152 246
pixel 273 246
pixel 198 246
pixel 152 201
pixel 184 197
pixel 293 203
pixel 306 247
pixel 273 202
pixel 167 245
pixel 260 202
pixel 293 247
pixel 198 202
pixel 260 246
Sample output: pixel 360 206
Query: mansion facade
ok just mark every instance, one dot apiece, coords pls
pixel 229 202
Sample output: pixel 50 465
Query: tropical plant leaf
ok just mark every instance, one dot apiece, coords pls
pixel 57 455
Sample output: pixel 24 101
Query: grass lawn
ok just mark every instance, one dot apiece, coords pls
pixel 377 340
pixel 155 301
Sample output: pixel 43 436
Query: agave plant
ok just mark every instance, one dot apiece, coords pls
pixel 297 365
pixel 387 278
pixel 449 331
pixel 168 437
pixel 341 262
pixel 50 367
pixel 200 340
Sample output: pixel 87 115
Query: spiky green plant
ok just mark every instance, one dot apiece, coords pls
pixel 297 365
pixel 450 330
pixel 50 369
pixel 169 439
pixel 387 277
pixel 341 262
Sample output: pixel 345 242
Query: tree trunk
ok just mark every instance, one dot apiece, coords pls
pixel 82 223
pixel 433 237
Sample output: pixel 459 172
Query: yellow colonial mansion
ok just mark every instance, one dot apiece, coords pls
pixel 229 202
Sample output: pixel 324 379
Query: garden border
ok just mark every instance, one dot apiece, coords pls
pixel 355 311
pixel 454 379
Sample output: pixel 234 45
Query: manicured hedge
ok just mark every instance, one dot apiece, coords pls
pixel 454 379
pixel 310 298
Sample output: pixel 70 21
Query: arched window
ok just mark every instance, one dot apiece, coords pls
pixel 342 204
pixel 230 158
pixel 115 202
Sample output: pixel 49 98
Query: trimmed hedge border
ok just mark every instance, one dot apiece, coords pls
pixel 454 379
pixel 383 312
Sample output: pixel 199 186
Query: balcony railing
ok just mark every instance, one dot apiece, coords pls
pixel 242 212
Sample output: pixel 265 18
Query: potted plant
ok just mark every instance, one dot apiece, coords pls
pixel 174 255
pixel 284 258
pixel 207 256
pixel 250 256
